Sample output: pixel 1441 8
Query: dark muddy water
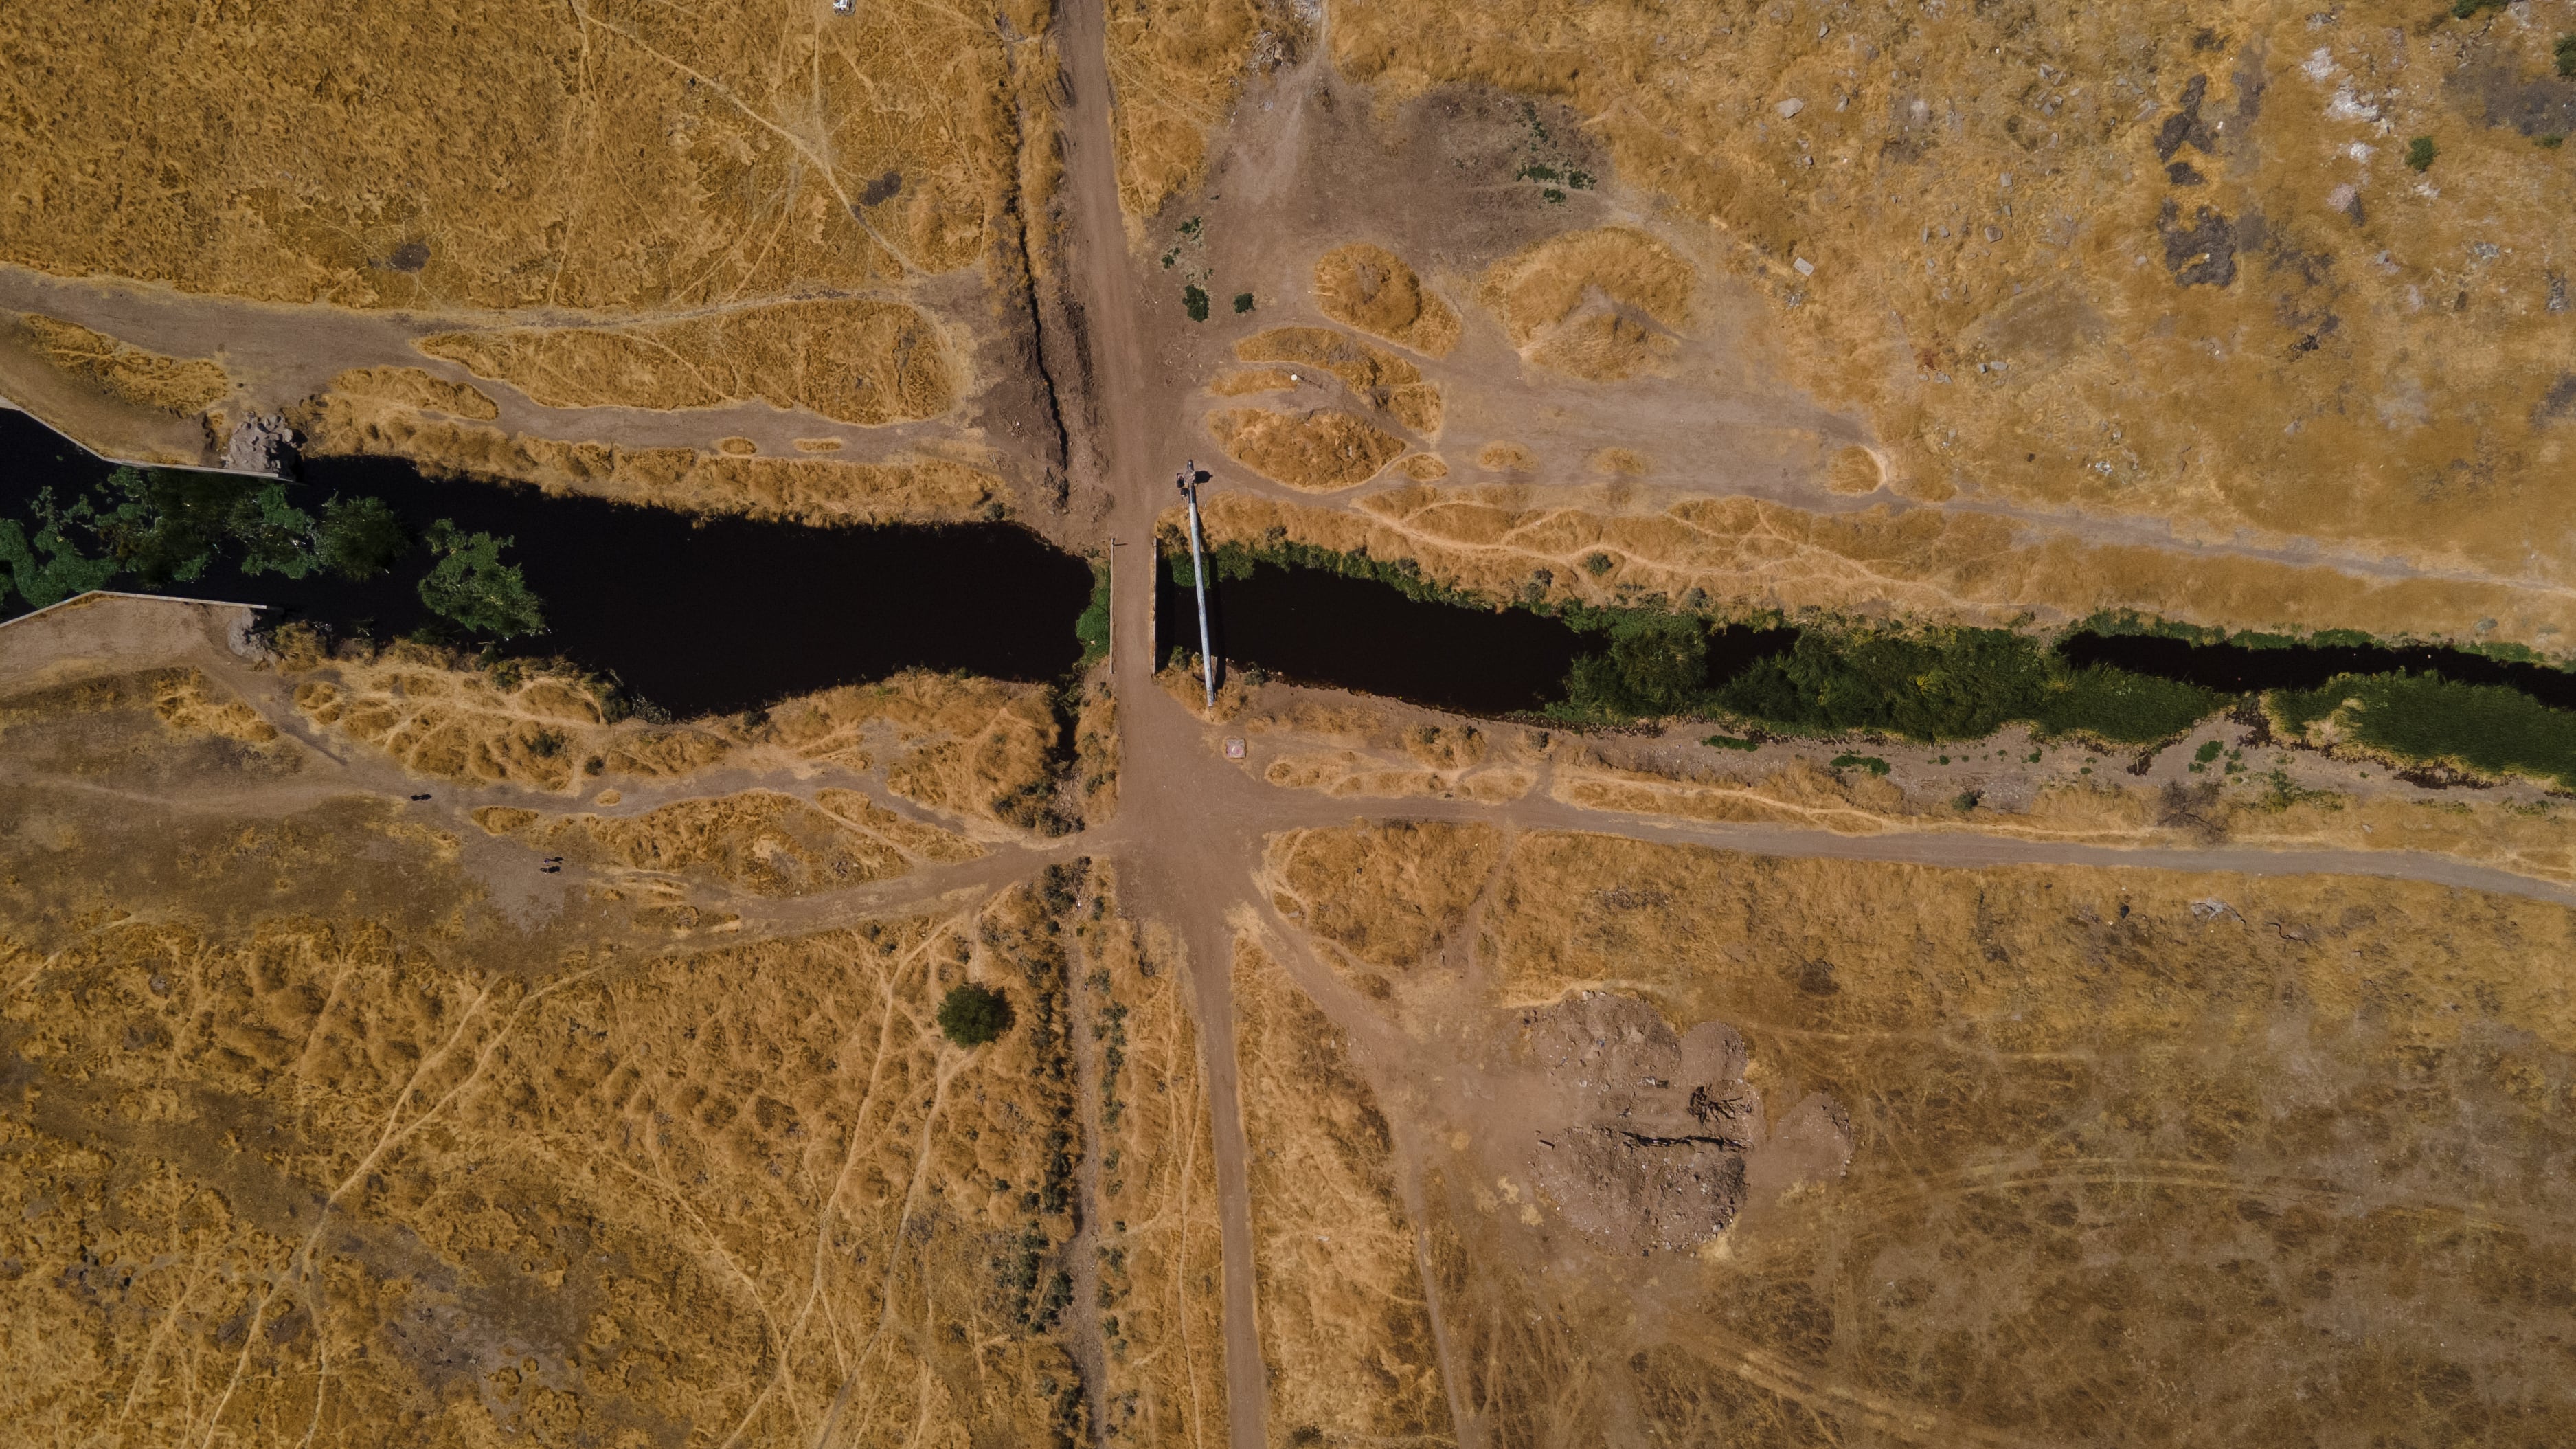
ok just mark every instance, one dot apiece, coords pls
pixel 696 615
pixel 2245 669
pixel 1317 627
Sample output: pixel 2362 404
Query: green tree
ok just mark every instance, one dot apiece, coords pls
pixel 470 585
pixel 972 1015
pixel 1656 664
pixel 360 537
pixel 63 570
pixel 275 535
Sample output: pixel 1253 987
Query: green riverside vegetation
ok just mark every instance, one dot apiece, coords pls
pixel 165 526
pixel 1092 628
pixel 2423 717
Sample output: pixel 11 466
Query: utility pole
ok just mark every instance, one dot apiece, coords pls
pixel 1189 482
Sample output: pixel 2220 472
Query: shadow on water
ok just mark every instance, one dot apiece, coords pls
pixel 697 615
pixel 1318 627
pixel 2246 669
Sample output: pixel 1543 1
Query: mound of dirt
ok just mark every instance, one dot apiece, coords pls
pixel 1385 381
pixel 1666 1140
pixel 1591 304
pixel 1317 451
pixel 1370 288
pixel 178 386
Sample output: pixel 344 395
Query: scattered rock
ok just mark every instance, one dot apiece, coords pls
pixel 262 444
pixel 1790 107
pixel 2201 253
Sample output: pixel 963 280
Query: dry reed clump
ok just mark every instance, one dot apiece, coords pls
pixel 179 386
pixel 410 387
pixel 1544 297
pixel 2077 1087
pixel 1318 451
pixel 1506 457
pixel 1157 1220
pixel 1365 286
pixel 2120 264
pixel 661 157
pixel 1744 554
pixel 1385 381
pixel 1425 467
pixel 1345 1323
pixel 1177 67
pixel 368 1157
pixel 811 490
pixel 849 359
pixel 1391 893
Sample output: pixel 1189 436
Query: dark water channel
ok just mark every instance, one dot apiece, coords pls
pixel 696 615
pixel 2246 669
pixel 1322 628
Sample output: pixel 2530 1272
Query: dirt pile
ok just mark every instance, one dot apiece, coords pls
pixel 1379 378
pixel 1318 452
pixel 1364 285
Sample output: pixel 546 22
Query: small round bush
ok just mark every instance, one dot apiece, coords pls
pixel 973 1015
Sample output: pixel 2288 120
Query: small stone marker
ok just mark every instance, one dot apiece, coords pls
pixel 1234 748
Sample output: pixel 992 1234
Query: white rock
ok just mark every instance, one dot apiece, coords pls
pixel 1805 268
pixel 1790 107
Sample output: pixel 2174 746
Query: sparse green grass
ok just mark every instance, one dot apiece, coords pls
pixel 2424 717
pixel 1731 742
pixel 1092 628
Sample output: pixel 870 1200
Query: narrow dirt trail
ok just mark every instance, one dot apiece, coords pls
pixel 1179 870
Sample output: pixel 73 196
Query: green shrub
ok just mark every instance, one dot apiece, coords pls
pixel 1657 665
pixel 64 570
pixel 2425 717
pixel 359 538
pixel 1242 303
pixel 1730 742
pixel 470 585
pixel 1194 299
pixel 971 1015
pixel 1871 763
pixel 2420 153
pixel 1092 628
pixel 2566 52
pixel 1954 684
pixel 2463 9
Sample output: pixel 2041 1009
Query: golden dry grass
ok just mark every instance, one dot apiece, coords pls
pixel 1744 555
pixel 1383 380
pixel 1365 286
pixel 2207 1105
pixel 624 157
pixel 2162 263
pixel 1425 467
pixel 1318 451
pixel 1176 68
pixel 848 359
pixel 1599 305
pixel 1239 381
pixel 1389 894
pixel 812 490
pixel 1159 1260
pixel 760 842
pixel 1345 1323
pixel 410 387
pixel 179 386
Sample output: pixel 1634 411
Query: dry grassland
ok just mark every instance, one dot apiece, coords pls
pixel 2117 1129
pixel 1155 1221
pixel 1317 452
pixel 1345 1320
pixel 978 750
pixel 1389 893
pixel 1177 67
pixel 809 490
pixel 1365 286
pixel 321 1181
pixel 2158 263
pixel 760 842
pixel 848 359
pixel 1383 380
pixel 622 156
pixel 1744 555
pixel 179 386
